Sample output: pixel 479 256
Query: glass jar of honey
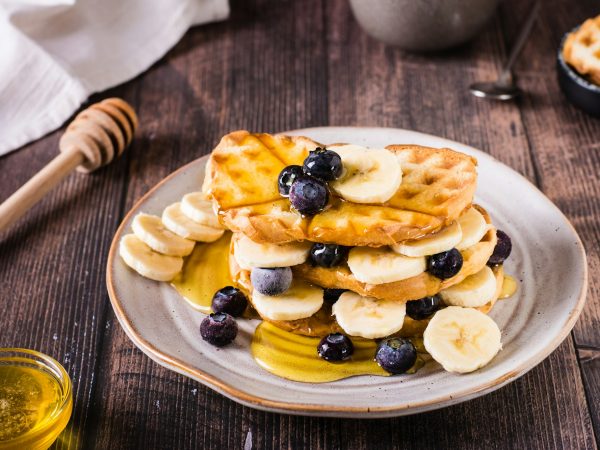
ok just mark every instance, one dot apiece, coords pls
pixel 36 399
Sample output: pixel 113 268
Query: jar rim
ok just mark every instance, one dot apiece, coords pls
pixel 39 361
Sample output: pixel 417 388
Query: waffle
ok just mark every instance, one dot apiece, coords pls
pixel 582 49
pixel 241 179
pixel 474 258
pixel 425 284
pixel 323 322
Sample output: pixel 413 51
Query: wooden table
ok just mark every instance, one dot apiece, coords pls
pixel 275 66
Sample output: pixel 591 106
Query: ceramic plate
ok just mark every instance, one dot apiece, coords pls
pixel 548 259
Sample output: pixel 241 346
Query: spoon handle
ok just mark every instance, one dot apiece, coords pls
pixel 505 76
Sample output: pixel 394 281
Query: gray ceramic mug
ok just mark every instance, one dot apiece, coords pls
pixel 423 25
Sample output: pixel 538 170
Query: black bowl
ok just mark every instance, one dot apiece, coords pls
pixel 578 90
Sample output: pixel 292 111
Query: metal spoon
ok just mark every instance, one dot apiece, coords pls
pixel 504 87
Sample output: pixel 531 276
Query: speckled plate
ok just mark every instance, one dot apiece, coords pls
pixel 548 257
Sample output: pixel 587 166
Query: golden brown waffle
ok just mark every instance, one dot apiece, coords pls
pixel 582 49
pixel 435 181
pixel 323 322
pixel 241 178
pixel 474 259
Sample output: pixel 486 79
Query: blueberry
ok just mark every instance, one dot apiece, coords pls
pixel 335 347
pixel 229 300
pixel 332 295
pixel 423 308
pixel 218 329
pixel 309 195
pixel 502 249
pixel 287 177
pixel 323 164
pixel 396 355
pixel 446 264
pixel 271 281
pixel 328 255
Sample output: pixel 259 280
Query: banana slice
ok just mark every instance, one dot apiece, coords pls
pixel 151 230
pixel 249 254
pixel 442 241
pixel 299 301
pixel 368 317
pixel 462 339
pixel 383 265
pixel 371 175
pixel 179 223
pixel 473 227
pixel 146 261
pixel 196 206
pixel 474 291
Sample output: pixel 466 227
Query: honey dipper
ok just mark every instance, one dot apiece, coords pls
pixel 95 137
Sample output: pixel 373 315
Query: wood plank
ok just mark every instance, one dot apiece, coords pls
pixel 276 66
pixel 152 407
pixel 255 76
pixel 448 111
pixel 407 91
pixel 427 93
pixel 53 290
pixel 130 415
pixel 565 142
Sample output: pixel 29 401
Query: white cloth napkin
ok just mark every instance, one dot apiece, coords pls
pixel 55 53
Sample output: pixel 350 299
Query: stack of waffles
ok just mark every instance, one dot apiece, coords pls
pixel 398 240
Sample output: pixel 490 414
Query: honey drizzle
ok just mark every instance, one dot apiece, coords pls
pixel 295 357
pixel 509 287
pixel 281 352
pixel 204 272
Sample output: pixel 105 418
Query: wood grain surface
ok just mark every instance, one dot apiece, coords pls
pixel 278 65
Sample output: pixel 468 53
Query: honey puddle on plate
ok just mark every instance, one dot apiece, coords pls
pixel 509 287
pixel 204 272
pixel 280 352
pixel 295 357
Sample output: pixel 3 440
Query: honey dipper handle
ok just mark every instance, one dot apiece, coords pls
pixel 31 192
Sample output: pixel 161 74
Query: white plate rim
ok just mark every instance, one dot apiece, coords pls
pixel 173 363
